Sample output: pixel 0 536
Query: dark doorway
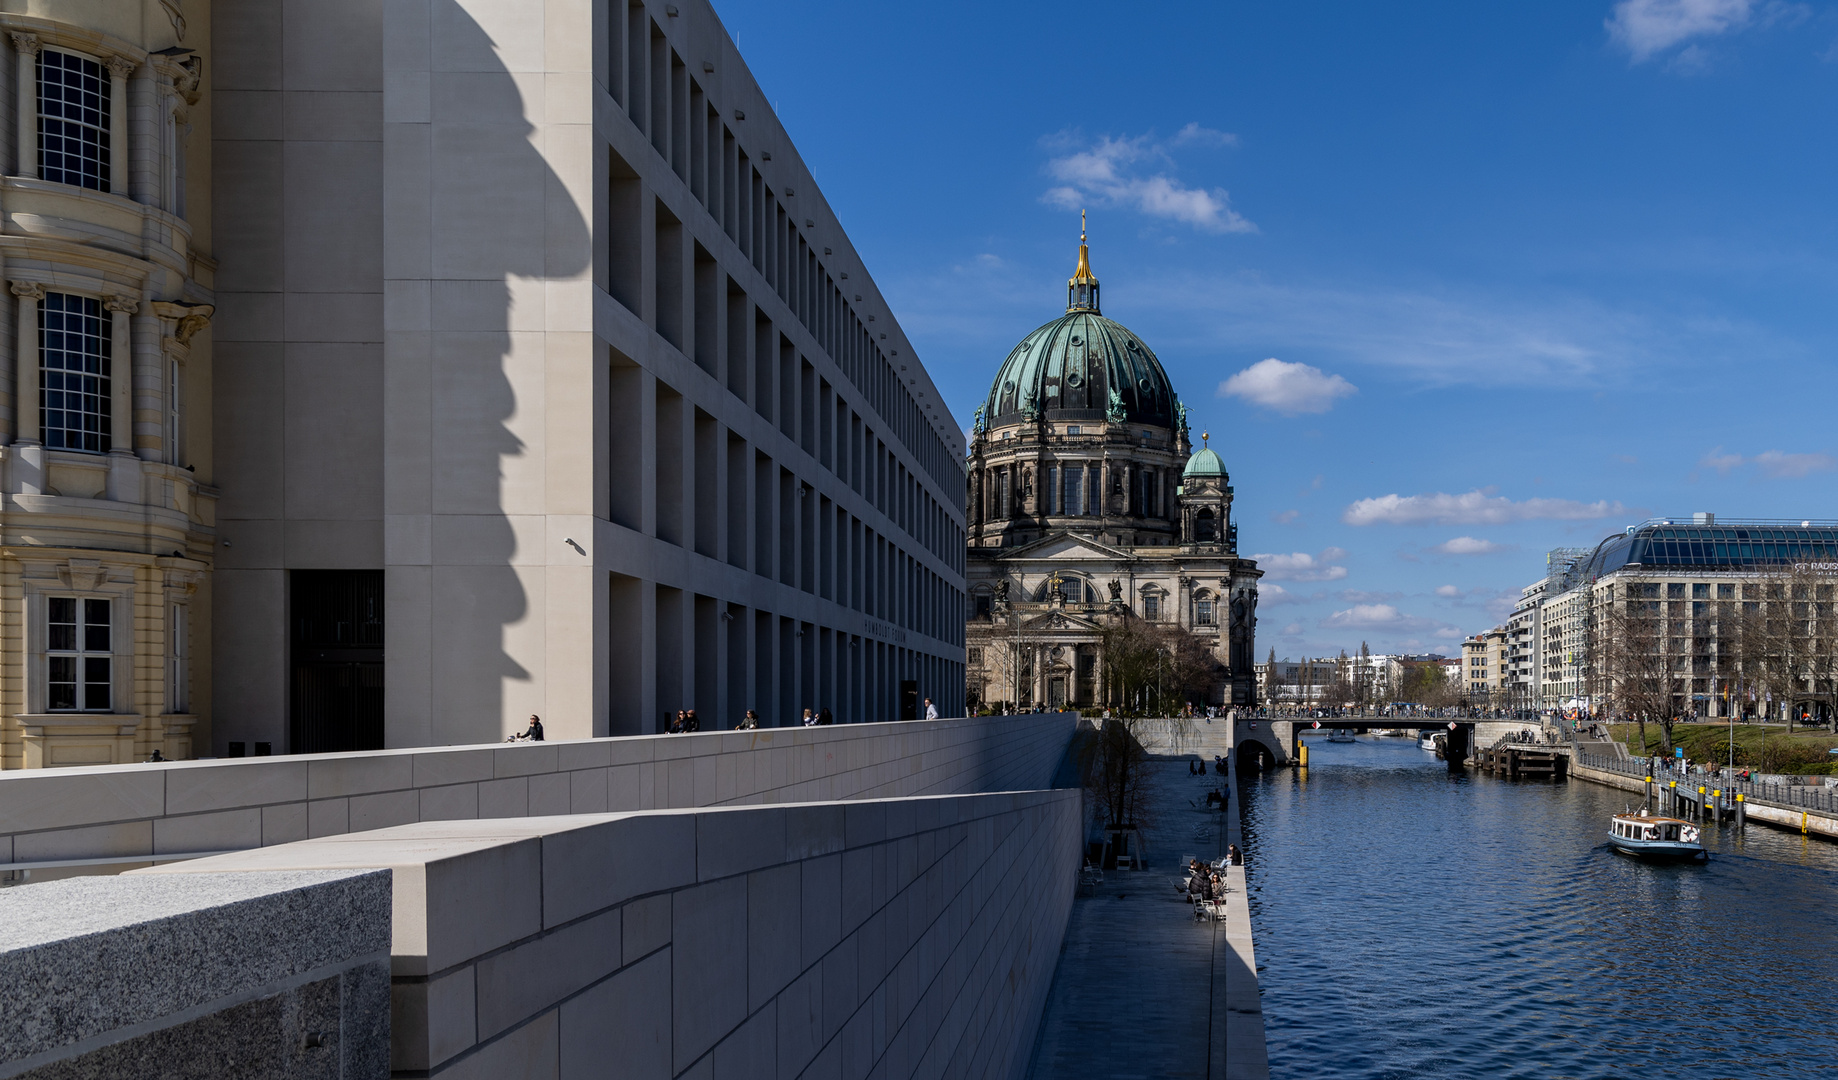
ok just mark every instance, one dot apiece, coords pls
pixel 909 699
pixel 337 642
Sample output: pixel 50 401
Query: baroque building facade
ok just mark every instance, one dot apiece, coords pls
pixel 1088 505
pixel 109 505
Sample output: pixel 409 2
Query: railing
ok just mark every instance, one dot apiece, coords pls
pixel 1788 796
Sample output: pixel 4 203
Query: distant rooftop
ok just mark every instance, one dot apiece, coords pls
pixel 1702 540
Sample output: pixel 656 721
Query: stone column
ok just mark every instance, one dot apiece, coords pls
pixel 119 68
pixel 26 100
pixel 1102 509
pixel 124 464
pixel 1059 487
pixel 29 454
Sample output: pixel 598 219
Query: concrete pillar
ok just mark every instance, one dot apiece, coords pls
pixel 25 98
pixel 119 68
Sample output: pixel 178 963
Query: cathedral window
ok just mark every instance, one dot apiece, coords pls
pixel 1152 608
pixel 1075 488
pixel 1203 612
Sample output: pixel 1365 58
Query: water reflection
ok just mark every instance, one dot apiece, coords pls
pixel 1416 923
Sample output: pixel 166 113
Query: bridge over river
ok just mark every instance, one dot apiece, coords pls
pixel 1271 742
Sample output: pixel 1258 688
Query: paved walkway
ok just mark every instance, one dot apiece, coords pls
pixel 1143 989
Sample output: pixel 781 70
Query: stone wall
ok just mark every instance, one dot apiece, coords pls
pixel 176 808
pixel 253 975
pixel 893 937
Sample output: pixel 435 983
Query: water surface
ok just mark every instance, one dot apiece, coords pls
pixel 1416 923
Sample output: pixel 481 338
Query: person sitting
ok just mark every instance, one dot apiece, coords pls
pixel 533 733
pixel 1232 853
pixel 810 718
pixel 691 722
pixel 824 719
pixel 678 723
pixel 1196 881
pixel 749 722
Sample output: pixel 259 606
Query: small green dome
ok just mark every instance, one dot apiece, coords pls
pixel 1202 464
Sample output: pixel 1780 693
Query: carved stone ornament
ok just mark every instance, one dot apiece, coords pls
pixel 82 574
pixel 121 303
pixel 1116 589
pixel 30 290
pixel 187 319
pixel 120 66
pixel 26 44
pixel 174 15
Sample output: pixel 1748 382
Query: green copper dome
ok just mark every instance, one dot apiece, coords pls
pixel 1203 463
pixel 1081 366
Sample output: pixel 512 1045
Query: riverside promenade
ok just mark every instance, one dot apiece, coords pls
pixel 1142 988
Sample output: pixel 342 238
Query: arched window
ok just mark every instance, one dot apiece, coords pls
pixel 1204 609
pixel 1205 528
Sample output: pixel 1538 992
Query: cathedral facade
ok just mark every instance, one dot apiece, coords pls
pixel 1089 507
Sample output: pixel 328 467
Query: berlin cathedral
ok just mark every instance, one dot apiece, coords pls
pixel 1088 505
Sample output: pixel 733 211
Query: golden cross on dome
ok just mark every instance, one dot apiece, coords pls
pixel 1081 226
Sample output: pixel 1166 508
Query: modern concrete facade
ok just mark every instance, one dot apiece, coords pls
pixel 865 900
pixel 378 374
pixel 109 496
pixel 106 819
pixel 534 310
pixel 1088 505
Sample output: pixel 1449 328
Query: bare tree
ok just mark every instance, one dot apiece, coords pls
pixel 1633 669
pixel 1154 667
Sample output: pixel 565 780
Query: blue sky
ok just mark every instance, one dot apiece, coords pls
pixel 1449 283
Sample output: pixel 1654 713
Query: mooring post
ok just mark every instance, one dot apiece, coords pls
pixel 1703 810
pixel 1742 811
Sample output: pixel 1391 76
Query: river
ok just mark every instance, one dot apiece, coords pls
pixel 1411 922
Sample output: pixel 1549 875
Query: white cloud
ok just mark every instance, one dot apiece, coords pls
pixel 1287 388
pixel 1195 134
pixel 1773 464
pixel 1133 173
pixel 1478 507
pixel 1387 617
pixel 1447 590
pixel 1366 615
pixel 1301 566
pixel 1468 545
pixel 1286 517
pixel 1778 465
pixel 1646 27
pixel 1294 629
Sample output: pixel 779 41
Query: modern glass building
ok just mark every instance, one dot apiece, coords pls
pixel 1706 542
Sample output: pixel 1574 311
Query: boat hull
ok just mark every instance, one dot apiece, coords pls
pixel 1659 850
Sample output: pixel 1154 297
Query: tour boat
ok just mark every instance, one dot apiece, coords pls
pixel 1341 735
pixel 1659 838
pixel 1428 740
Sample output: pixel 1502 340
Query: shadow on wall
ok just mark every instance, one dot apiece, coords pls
pixel 499 225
